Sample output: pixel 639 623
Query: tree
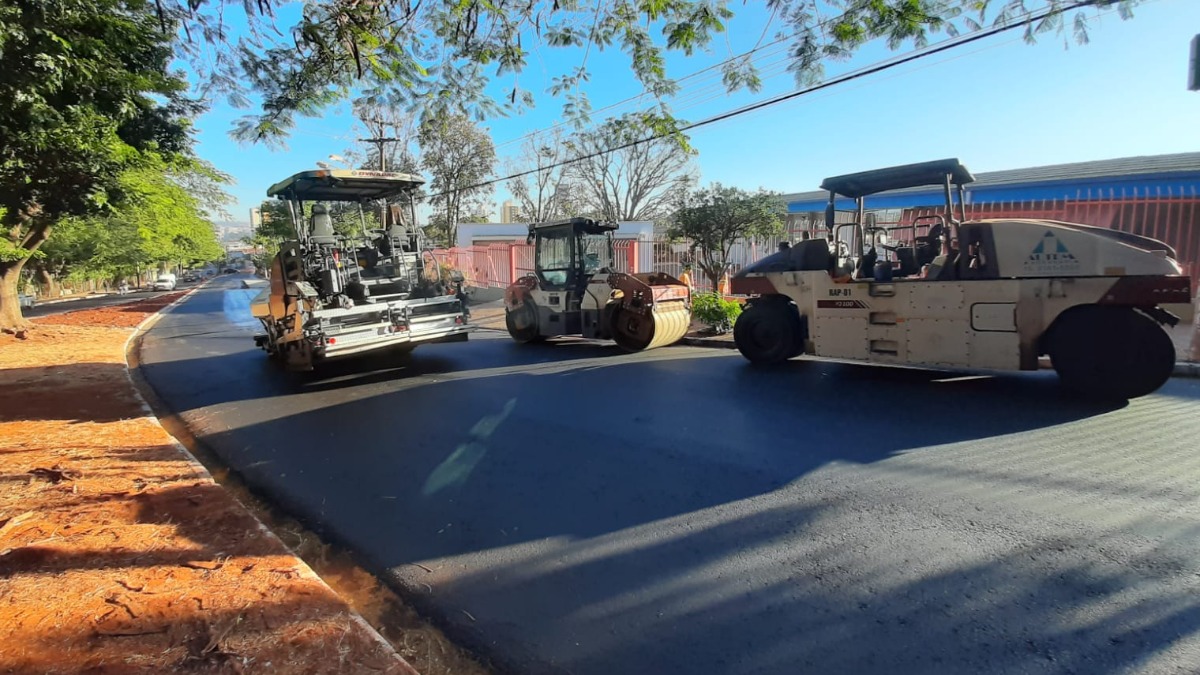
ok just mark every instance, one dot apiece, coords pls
pixel 88 96
pixel 440 57
pixel 169 220
pixel 158 220
pixel 546 191
pixel 459 156
pixel 622 181
pixel 713 219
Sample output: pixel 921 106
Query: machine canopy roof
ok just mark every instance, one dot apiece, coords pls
pixel 344 185
pixel 855 185
pixel 587 225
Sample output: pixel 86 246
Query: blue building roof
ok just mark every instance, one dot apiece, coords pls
pixel 1177 174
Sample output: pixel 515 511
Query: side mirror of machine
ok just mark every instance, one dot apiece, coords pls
pixel 457 276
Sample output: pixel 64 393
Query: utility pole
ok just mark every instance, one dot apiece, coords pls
pixel 378 142
pixel 377 126
pixel 1194 66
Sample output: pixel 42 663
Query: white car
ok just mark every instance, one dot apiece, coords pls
pixel 165 282
pixel 26 301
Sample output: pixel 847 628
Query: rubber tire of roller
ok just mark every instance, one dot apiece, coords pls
pixel 764 333
pixel 1110 352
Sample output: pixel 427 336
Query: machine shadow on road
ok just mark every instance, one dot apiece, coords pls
pixel 239 374
pixel 376 368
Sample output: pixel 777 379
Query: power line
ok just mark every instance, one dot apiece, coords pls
pixel 639 96
pixel 847 77
pixel 743 56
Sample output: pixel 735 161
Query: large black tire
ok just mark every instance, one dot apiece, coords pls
pixel 1110 352
pixel 767 333
pixel 522 323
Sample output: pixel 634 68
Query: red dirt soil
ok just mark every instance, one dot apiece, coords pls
pixel 119 554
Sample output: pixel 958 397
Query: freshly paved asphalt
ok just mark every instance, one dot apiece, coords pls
pixel 567 508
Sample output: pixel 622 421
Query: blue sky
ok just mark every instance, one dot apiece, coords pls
pixel 994 104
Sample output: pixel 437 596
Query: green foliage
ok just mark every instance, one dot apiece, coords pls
pixel 715 311
pixel 86 89
pixel 437 231
pixel 713 219
pixel 10 252
pixel 276 222
pixel 458 155
pixel 442 58
pixel 157 220
pixel 92 114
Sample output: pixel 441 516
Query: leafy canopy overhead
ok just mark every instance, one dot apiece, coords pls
pixel 86 88
pixel 439 57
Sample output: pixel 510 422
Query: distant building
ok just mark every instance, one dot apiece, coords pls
pixel 509 212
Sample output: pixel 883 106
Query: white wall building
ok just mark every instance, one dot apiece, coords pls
pixel 482 234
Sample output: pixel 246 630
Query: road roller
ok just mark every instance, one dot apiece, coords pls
pixel 575 289
pixel 986 294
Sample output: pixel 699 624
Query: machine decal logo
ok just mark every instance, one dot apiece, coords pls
pixel 841 304
pixel 1051 256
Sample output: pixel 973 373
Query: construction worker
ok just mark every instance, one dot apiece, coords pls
pixel 686 277
pixel 724 287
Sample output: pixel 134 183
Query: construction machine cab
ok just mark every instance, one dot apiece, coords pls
pixel 568 252
pixel 860 243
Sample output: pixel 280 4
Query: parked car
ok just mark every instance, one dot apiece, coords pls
pixel 229 270
pixel 164 282
pixel 26 301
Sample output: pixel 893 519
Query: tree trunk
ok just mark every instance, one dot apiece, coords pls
pixel 713 274
pixel 47 281
pixel 10 305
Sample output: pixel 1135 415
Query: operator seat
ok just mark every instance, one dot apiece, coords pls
pixel 944 267
pixel 866 265
pixel 908 261
pixel 810 255
pixel 322 226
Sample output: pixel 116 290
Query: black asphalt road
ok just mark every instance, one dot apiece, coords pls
pixel 568 508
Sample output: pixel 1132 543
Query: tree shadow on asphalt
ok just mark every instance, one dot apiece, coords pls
pixel 662 605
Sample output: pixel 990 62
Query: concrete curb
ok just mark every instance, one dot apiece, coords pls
pixel 1187 369
pixel 58 301
pixel 1182 368
pixel 707 342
